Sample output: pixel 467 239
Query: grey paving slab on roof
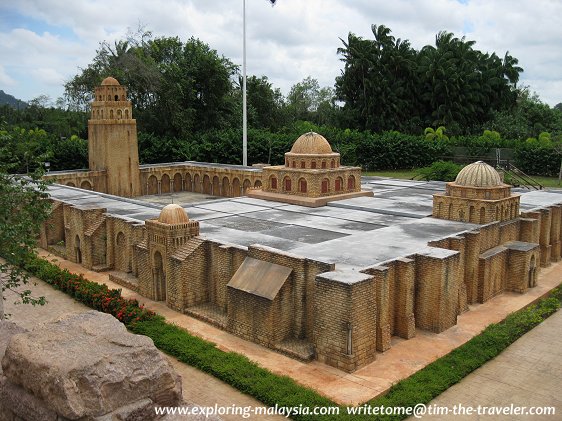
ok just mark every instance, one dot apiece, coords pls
pixel 143 216
pixel 304 234
pixel 202 214
pixel 258 202
pixel 416 206
pixel 243 223
pixel 314 221
pixel 231 206
pixel 348 214
pixel 243 238
pixel 540 198
pixel 408 193
pixel 369 248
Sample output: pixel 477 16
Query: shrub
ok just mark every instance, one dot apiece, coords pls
pixel 440 170
pixel 94 295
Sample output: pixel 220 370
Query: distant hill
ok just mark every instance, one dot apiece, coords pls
pixel 11 101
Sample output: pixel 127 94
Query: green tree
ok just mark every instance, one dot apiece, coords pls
pixel 307 101
pixel 23 208
pixel 176 88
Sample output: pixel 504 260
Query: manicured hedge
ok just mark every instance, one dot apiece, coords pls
pixel 271 389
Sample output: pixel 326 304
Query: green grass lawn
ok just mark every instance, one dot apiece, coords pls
pixel 402 174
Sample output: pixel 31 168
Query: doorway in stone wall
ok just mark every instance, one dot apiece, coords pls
pixel 159 278
pixel 532 272
pixel 77 250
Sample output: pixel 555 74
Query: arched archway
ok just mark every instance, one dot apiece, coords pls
pixel 177 182
pixel 325 187
pixel 206 184
pixel 273 182
pixel 86 185
pixel 472 214
pixel 257 184
pixel 225 188
pixel 482 215
pixel 236 187
pixel 247 183
pixel 165 184
pixel 188 183
pixel 338 184
pixel 119 114
pixel 152 185
pixel 159 278
pixel 121 257
pixel 78 249
pixel 287 184
pixel 197 183
pixel 70 184
pixel 302 185
pixel 216 186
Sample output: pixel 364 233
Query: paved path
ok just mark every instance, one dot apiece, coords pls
pixel 528 373
pixel 198 388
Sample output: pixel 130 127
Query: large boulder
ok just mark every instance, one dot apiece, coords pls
pixel 7 330
pixel 88 365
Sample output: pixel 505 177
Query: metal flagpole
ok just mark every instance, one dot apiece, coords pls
pixel 244 105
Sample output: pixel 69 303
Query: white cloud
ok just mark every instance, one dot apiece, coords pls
pixel 5 79
pixel 287 42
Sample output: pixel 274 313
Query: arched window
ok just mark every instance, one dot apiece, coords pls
pixel 294 164
pixel 110 113
pixel 333 164
pixel 302 185
pixel 303 165
pixel 116 97
pixel 323 164
pixel 313 164
pixel 273 183
pixel 325 185
pixel 351 183
pixel 287 184
pixel 119 114
pixel 126 114
pixel 338 184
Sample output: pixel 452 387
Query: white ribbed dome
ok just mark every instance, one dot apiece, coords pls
pixel 478 174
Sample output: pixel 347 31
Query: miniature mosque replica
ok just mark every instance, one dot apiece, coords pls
pixel 305 263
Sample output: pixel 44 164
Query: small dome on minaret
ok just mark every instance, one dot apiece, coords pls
pixel 173 214
pixel 110 81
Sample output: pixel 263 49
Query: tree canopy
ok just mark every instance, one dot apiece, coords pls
pixel 388 85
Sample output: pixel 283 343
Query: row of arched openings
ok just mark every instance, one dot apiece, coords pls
pixel 205 184
pixel 112 114
pixel 302 184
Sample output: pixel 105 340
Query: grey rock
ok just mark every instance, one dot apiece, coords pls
pixel 87 365
pixel 17 401
pixel 7 330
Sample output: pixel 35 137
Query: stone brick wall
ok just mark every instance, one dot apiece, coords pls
pixel 258 319
pixel 345 321
pixel 302 278
pixel 437 291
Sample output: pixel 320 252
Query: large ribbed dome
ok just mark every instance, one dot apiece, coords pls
pixel 109 81
pixel 173 214
pixel 478 174
pixel 311 143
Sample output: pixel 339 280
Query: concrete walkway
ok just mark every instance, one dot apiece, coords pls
pixel 528 373
pixel 198 388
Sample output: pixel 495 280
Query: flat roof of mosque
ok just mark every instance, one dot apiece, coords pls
pixel 352 233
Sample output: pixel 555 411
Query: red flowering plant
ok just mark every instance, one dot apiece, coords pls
pixel 97 296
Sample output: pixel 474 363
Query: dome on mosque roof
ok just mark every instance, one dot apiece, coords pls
pixel 109 81
pixel 173 214
pixel 311 143
pixel 478 174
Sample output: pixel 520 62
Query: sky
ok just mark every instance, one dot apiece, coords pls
pixel 44 43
